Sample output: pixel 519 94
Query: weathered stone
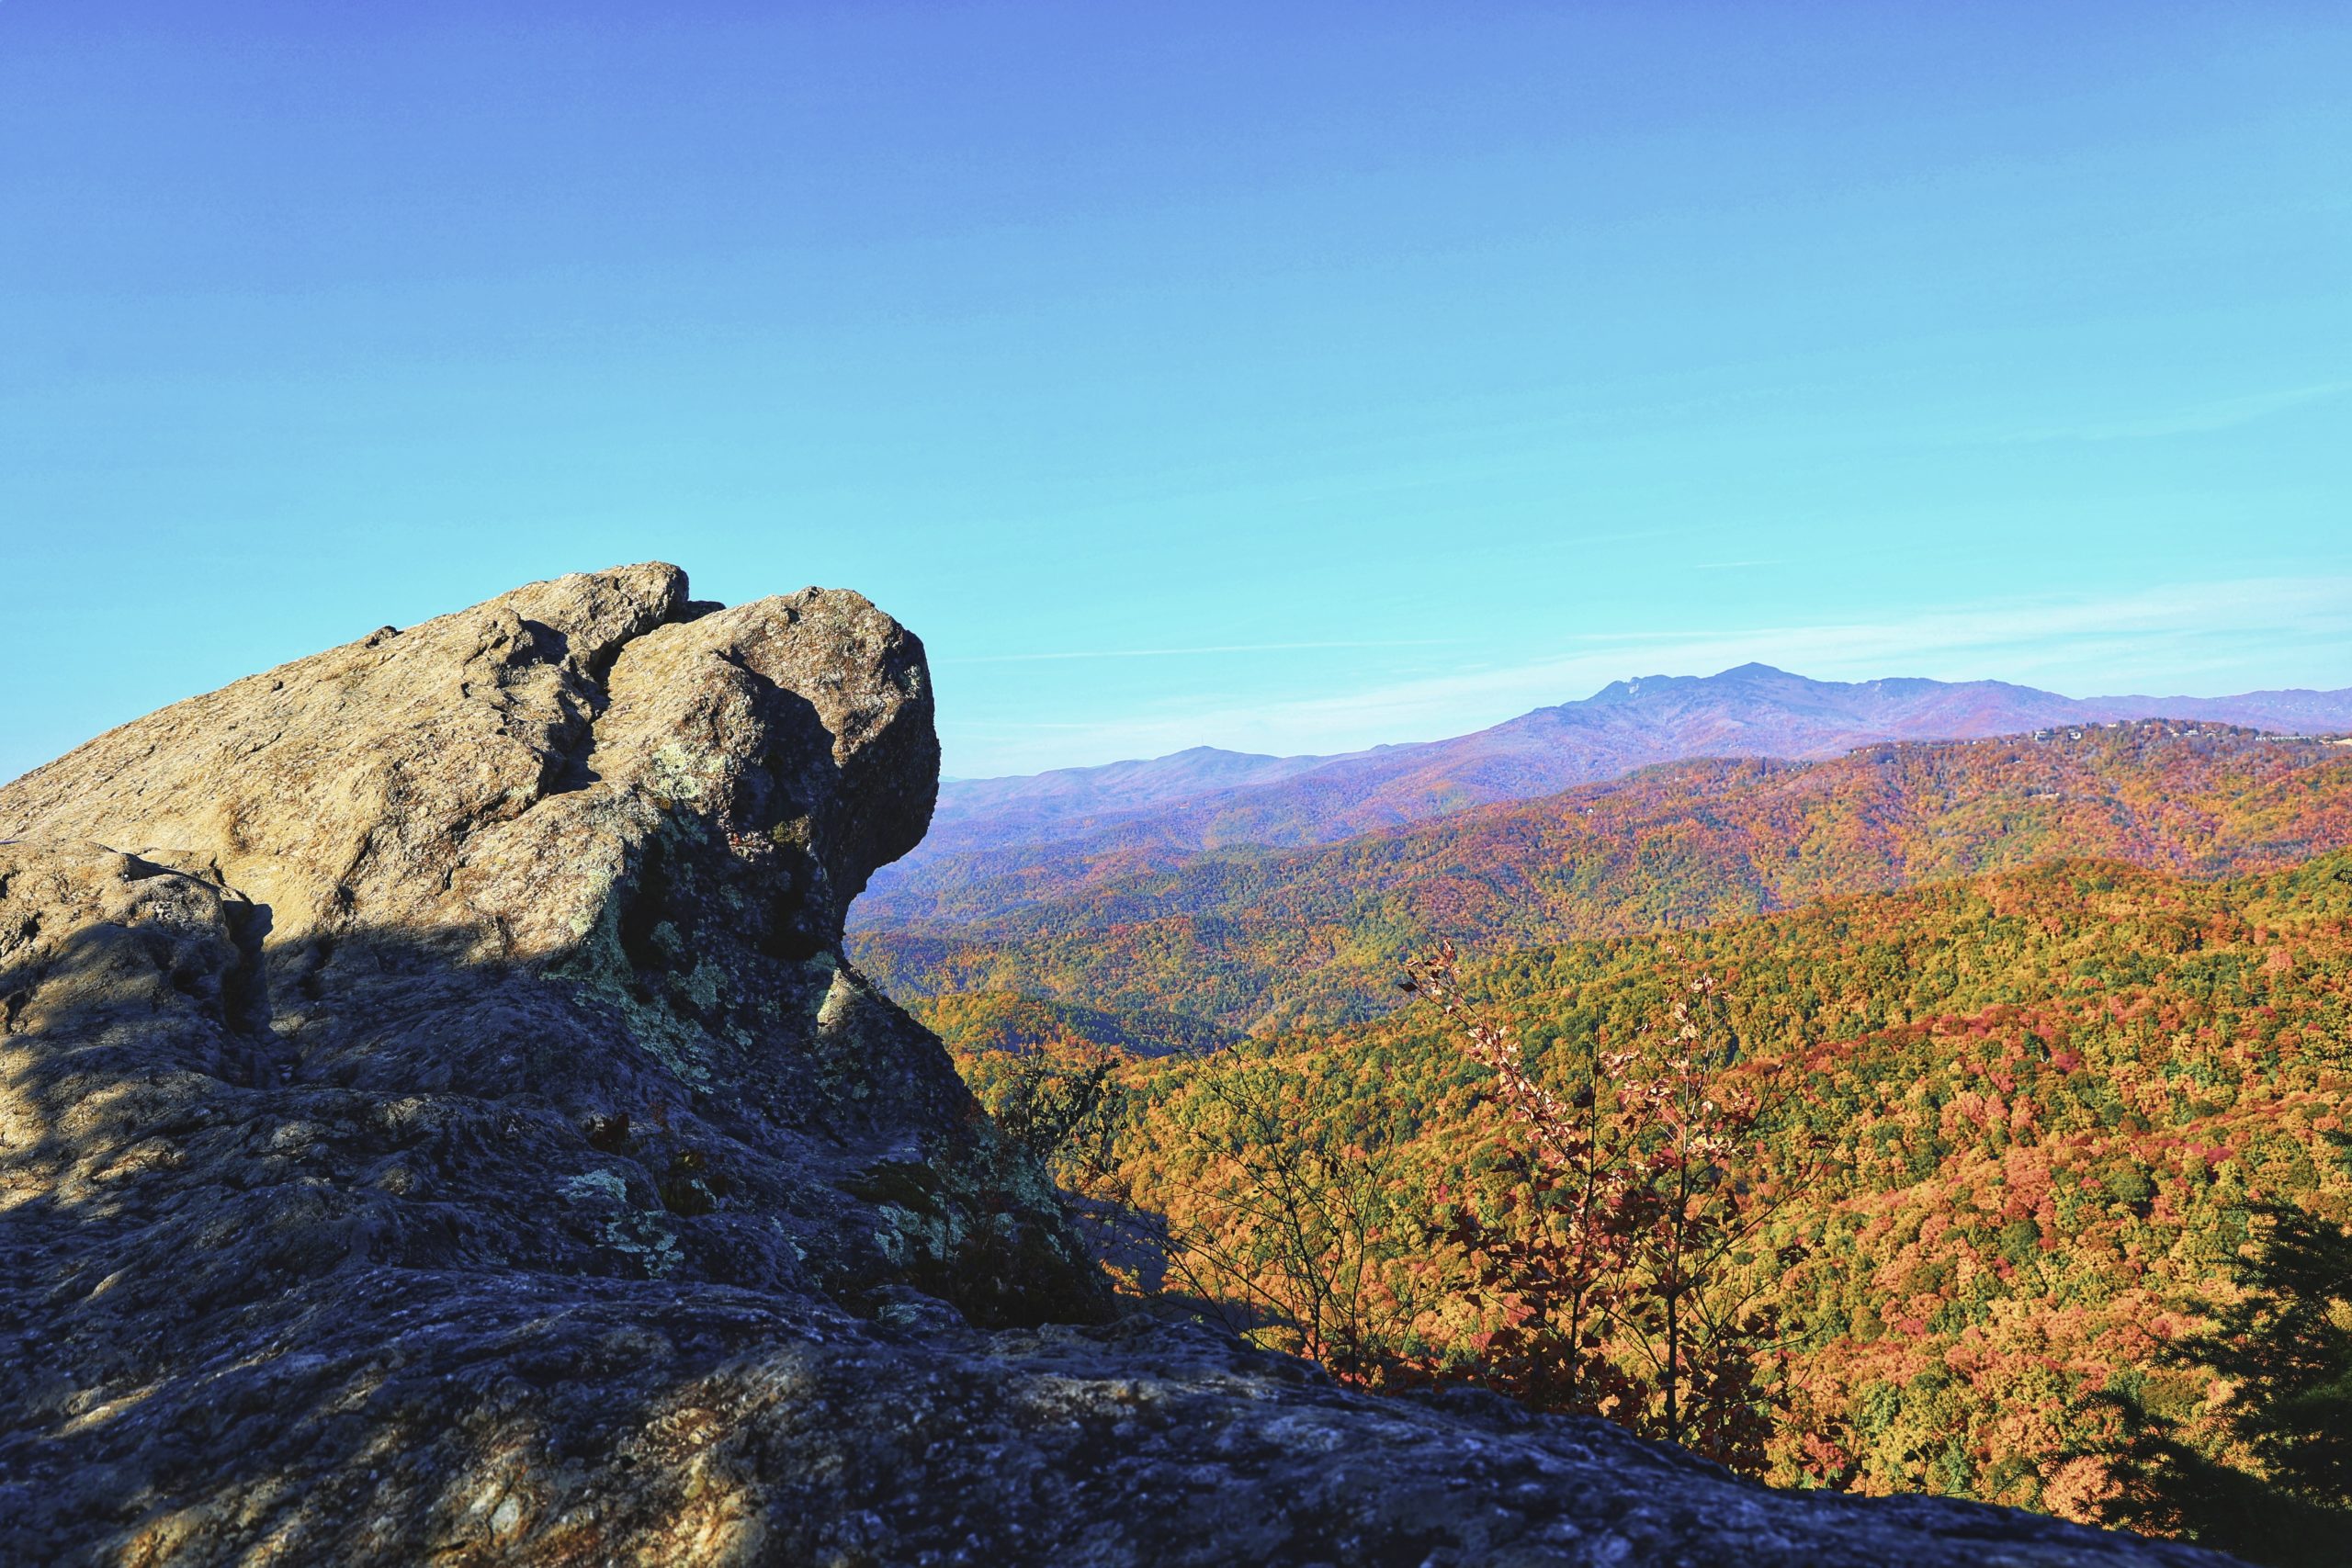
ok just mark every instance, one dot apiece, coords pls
pixel 436 1122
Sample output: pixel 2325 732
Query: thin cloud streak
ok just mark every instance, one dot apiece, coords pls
pixel 1187 652
pixel 2226 414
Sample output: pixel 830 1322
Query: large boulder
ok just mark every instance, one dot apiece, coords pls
pixel 437 1123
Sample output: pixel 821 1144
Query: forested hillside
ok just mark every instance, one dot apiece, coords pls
pixel 2019 1126
pixel 1257 941
pixel 996 844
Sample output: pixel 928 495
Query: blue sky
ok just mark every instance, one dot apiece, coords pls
pixel 1290 377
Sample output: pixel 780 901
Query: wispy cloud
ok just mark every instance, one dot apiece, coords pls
pixel 2085 645
pixel 2224 415
pixel 1187 652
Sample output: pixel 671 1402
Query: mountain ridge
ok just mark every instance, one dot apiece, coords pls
pixel 1046 830
pixel 437 1124
pixel 1261 938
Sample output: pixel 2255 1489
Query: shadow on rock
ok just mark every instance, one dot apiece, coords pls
pixel 454 1136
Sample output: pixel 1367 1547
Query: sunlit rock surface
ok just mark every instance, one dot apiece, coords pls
pixel 436 1122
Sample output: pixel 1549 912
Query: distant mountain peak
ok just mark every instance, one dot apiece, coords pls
pixel 1750 674
pixel 1206 796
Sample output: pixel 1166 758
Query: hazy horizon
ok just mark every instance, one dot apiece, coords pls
pixel 1488 697
pixel 1288 381
pixel 950 776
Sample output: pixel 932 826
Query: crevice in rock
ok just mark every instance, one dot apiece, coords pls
pixel 567 769
pixel 318 950
pixel 571 765
pixel 244 989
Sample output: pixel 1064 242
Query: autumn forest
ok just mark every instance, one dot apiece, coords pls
pixel 1963 1118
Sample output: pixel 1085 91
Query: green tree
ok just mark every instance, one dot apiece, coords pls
pixel 1065 1109
pixel 2269 1475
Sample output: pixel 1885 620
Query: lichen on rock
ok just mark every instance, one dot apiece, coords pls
pixel 438 1122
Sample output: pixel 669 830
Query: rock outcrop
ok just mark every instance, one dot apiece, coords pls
pixel 437 1123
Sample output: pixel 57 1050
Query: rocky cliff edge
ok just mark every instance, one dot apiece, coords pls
pixel 437 1123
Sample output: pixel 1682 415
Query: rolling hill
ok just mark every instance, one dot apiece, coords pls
pixel 1256 940
pixel 998 843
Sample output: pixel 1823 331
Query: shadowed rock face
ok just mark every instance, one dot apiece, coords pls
pixel 436 1122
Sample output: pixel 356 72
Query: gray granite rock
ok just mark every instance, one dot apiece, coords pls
pixel 437 1123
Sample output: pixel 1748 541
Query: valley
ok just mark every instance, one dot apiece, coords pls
pixel 2039 1034
pixel 1255 941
